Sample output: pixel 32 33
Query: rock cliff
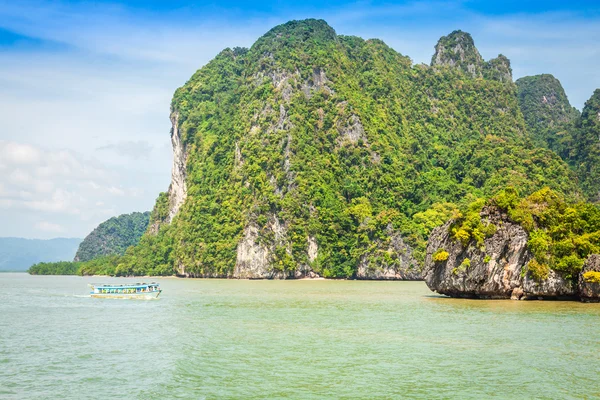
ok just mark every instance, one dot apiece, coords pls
pixel 589 280
pixel 457 50
pixel 548 114
pixel 178 188
pixel 497 269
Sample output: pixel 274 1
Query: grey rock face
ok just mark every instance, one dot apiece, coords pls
pixel 178 187
pixel 497 270
pixel 506 254
pixel 498 69
pixel 589 291
pixel 257 249
pixel 352 131
pixel 554 286
pixel 458 50
pixel 253 257
pixel 404 267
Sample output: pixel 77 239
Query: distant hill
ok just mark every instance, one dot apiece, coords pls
pixel 113 236
pixel 549 116
pixel 18 254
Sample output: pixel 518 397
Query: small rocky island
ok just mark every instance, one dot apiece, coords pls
pixel 517 251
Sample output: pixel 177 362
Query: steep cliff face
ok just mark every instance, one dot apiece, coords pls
pixel 458 50
pixel 499 268
pixel 178 188
pixel 589 279
pixel 266 259
pixel 491 271
pixel 498 69
pixel 389 261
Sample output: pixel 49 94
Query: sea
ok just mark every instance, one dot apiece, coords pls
pixel 304 339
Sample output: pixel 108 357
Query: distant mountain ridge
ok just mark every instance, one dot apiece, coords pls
pixel 18 254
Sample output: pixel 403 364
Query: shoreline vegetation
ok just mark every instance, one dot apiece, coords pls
pixel 192 278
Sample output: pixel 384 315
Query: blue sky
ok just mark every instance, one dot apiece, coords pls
pixel 86 86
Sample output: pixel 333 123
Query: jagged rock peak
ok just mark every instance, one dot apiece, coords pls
pixel 498 69
pixel 458 50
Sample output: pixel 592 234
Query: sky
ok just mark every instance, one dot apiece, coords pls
pixel 85 87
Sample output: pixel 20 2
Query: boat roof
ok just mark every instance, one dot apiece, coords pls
pixel 129 285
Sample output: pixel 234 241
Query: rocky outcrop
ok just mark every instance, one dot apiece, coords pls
pixel 253 257
pixel 498 69
pixel 554 286
pixel 458 50
pixel 589 288
pixel 257 253
pixel 495 270
pixel 178 187
pixel 399 263
pixel 492 271
pixel 316 83
pixel 353 131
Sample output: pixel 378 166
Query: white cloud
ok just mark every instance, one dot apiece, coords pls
pixel 5 203
pixel 60 187
pixel 133 149
pixel 18 153
pixel 116 191
pixel 49 227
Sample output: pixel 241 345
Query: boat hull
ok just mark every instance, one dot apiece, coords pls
pixel 139 296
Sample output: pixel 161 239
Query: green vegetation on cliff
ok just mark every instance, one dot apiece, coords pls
pixel 562 232
pixel 553 123
pixel 114 236
pixel 587 148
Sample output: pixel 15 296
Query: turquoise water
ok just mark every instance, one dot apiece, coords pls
pixel 289 339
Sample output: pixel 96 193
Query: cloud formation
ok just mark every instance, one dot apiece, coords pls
pixel 133 149
pixel 51 188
